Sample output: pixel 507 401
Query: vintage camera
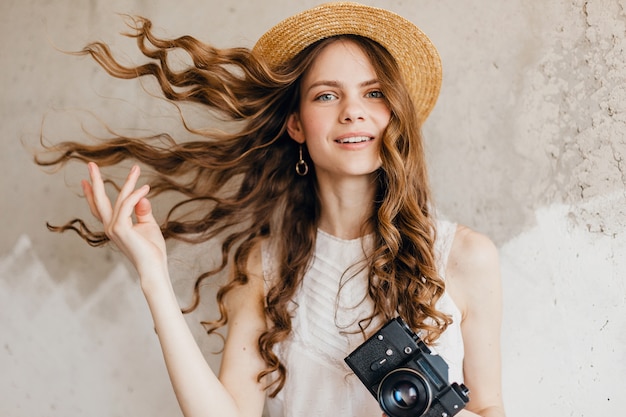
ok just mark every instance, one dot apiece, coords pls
pixel 406 378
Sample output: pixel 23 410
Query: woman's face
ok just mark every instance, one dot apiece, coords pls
pixel 342 113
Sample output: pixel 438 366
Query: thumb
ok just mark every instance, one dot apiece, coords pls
pixel 143 211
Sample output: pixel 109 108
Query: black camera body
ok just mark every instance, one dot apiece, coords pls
pixel 403 374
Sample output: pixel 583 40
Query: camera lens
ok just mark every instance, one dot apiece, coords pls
pixel 404 393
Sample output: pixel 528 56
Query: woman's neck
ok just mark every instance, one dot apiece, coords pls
pixel 346 205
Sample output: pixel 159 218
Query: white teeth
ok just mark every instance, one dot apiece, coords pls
pixel 355 139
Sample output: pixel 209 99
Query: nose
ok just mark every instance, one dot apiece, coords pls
pixel 352 110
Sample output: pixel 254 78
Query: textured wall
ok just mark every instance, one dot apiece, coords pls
pixel 526 144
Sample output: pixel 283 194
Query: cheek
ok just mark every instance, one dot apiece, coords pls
pixel 315 149
pixel 386 114
pixel 314 124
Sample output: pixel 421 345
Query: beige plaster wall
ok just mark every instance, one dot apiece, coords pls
pixel 526 144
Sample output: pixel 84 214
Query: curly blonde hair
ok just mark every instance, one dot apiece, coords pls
pixel 270 199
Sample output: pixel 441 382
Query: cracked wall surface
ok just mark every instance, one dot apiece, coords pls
pixel 526 144
pixel 579 119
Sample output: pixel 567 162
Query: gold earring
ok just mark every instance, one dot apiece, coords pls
pixel 302 168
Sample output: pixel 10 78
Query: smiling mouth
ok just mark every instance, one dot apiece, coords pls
pixel 354 139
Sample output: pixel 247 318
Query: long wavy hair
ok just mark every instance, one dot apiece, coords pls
pixel 268 199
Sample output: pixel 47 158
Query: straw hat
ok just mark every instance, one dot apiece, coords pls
pixel 415 54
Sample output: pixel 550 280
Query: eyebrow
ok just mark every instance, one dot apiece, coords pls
pixel 331 83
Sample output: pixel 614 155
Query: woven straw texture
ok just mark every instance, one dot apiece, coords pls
pixel 415 54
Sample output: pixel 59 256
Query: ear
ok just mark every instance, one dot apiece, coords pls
pixel 294 128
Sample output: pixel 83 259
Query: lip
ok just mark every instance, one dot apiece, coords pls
pixel 341 140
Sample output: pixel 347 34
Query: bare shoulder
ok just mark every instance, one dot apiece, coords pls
pixel 472 250
pixel 473 269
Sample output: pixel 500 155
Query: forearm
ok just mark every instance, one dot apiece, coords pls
pixel 198 390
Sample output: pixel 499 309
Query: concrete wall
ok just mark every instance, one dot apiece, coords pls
pixel 526 144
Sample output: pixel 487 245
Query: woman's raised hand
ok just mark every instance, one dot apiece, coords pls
pixel 141 240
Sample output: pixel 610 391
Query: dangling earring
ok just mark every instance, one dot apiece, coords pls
pixel 302 168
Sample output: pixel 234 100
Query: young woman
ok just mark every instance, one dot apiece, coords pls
pixel 330 229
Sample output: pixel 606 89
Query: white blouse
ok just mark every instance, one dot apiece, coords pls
pixel 326 311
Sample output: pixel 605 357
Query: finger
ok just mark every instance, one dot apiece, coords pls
pixel 101 201
pixel 120 229
pixel 129 184
pixel 143 211
pixel 88 192
pixel 126 207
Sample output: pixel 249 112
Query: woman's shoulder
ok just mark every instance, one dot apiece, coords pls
pixel 472 249
pixel 473 268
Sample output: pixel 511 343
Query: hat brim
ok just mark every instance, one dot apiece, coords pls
pixel 415 54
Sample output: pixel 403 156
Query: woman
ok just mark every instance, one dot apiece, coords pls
pixel 330 225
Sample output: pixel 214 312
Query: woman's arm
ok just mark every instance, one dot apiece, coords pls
pixel 473 279
pixel 198 390
pixel 241 360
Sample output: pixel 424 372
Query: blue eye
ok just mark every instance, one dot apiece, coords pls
pixel 375 94
pixel 326 97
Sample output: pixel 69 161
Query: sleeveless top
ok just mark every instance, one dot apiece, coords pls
pixel 326 310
